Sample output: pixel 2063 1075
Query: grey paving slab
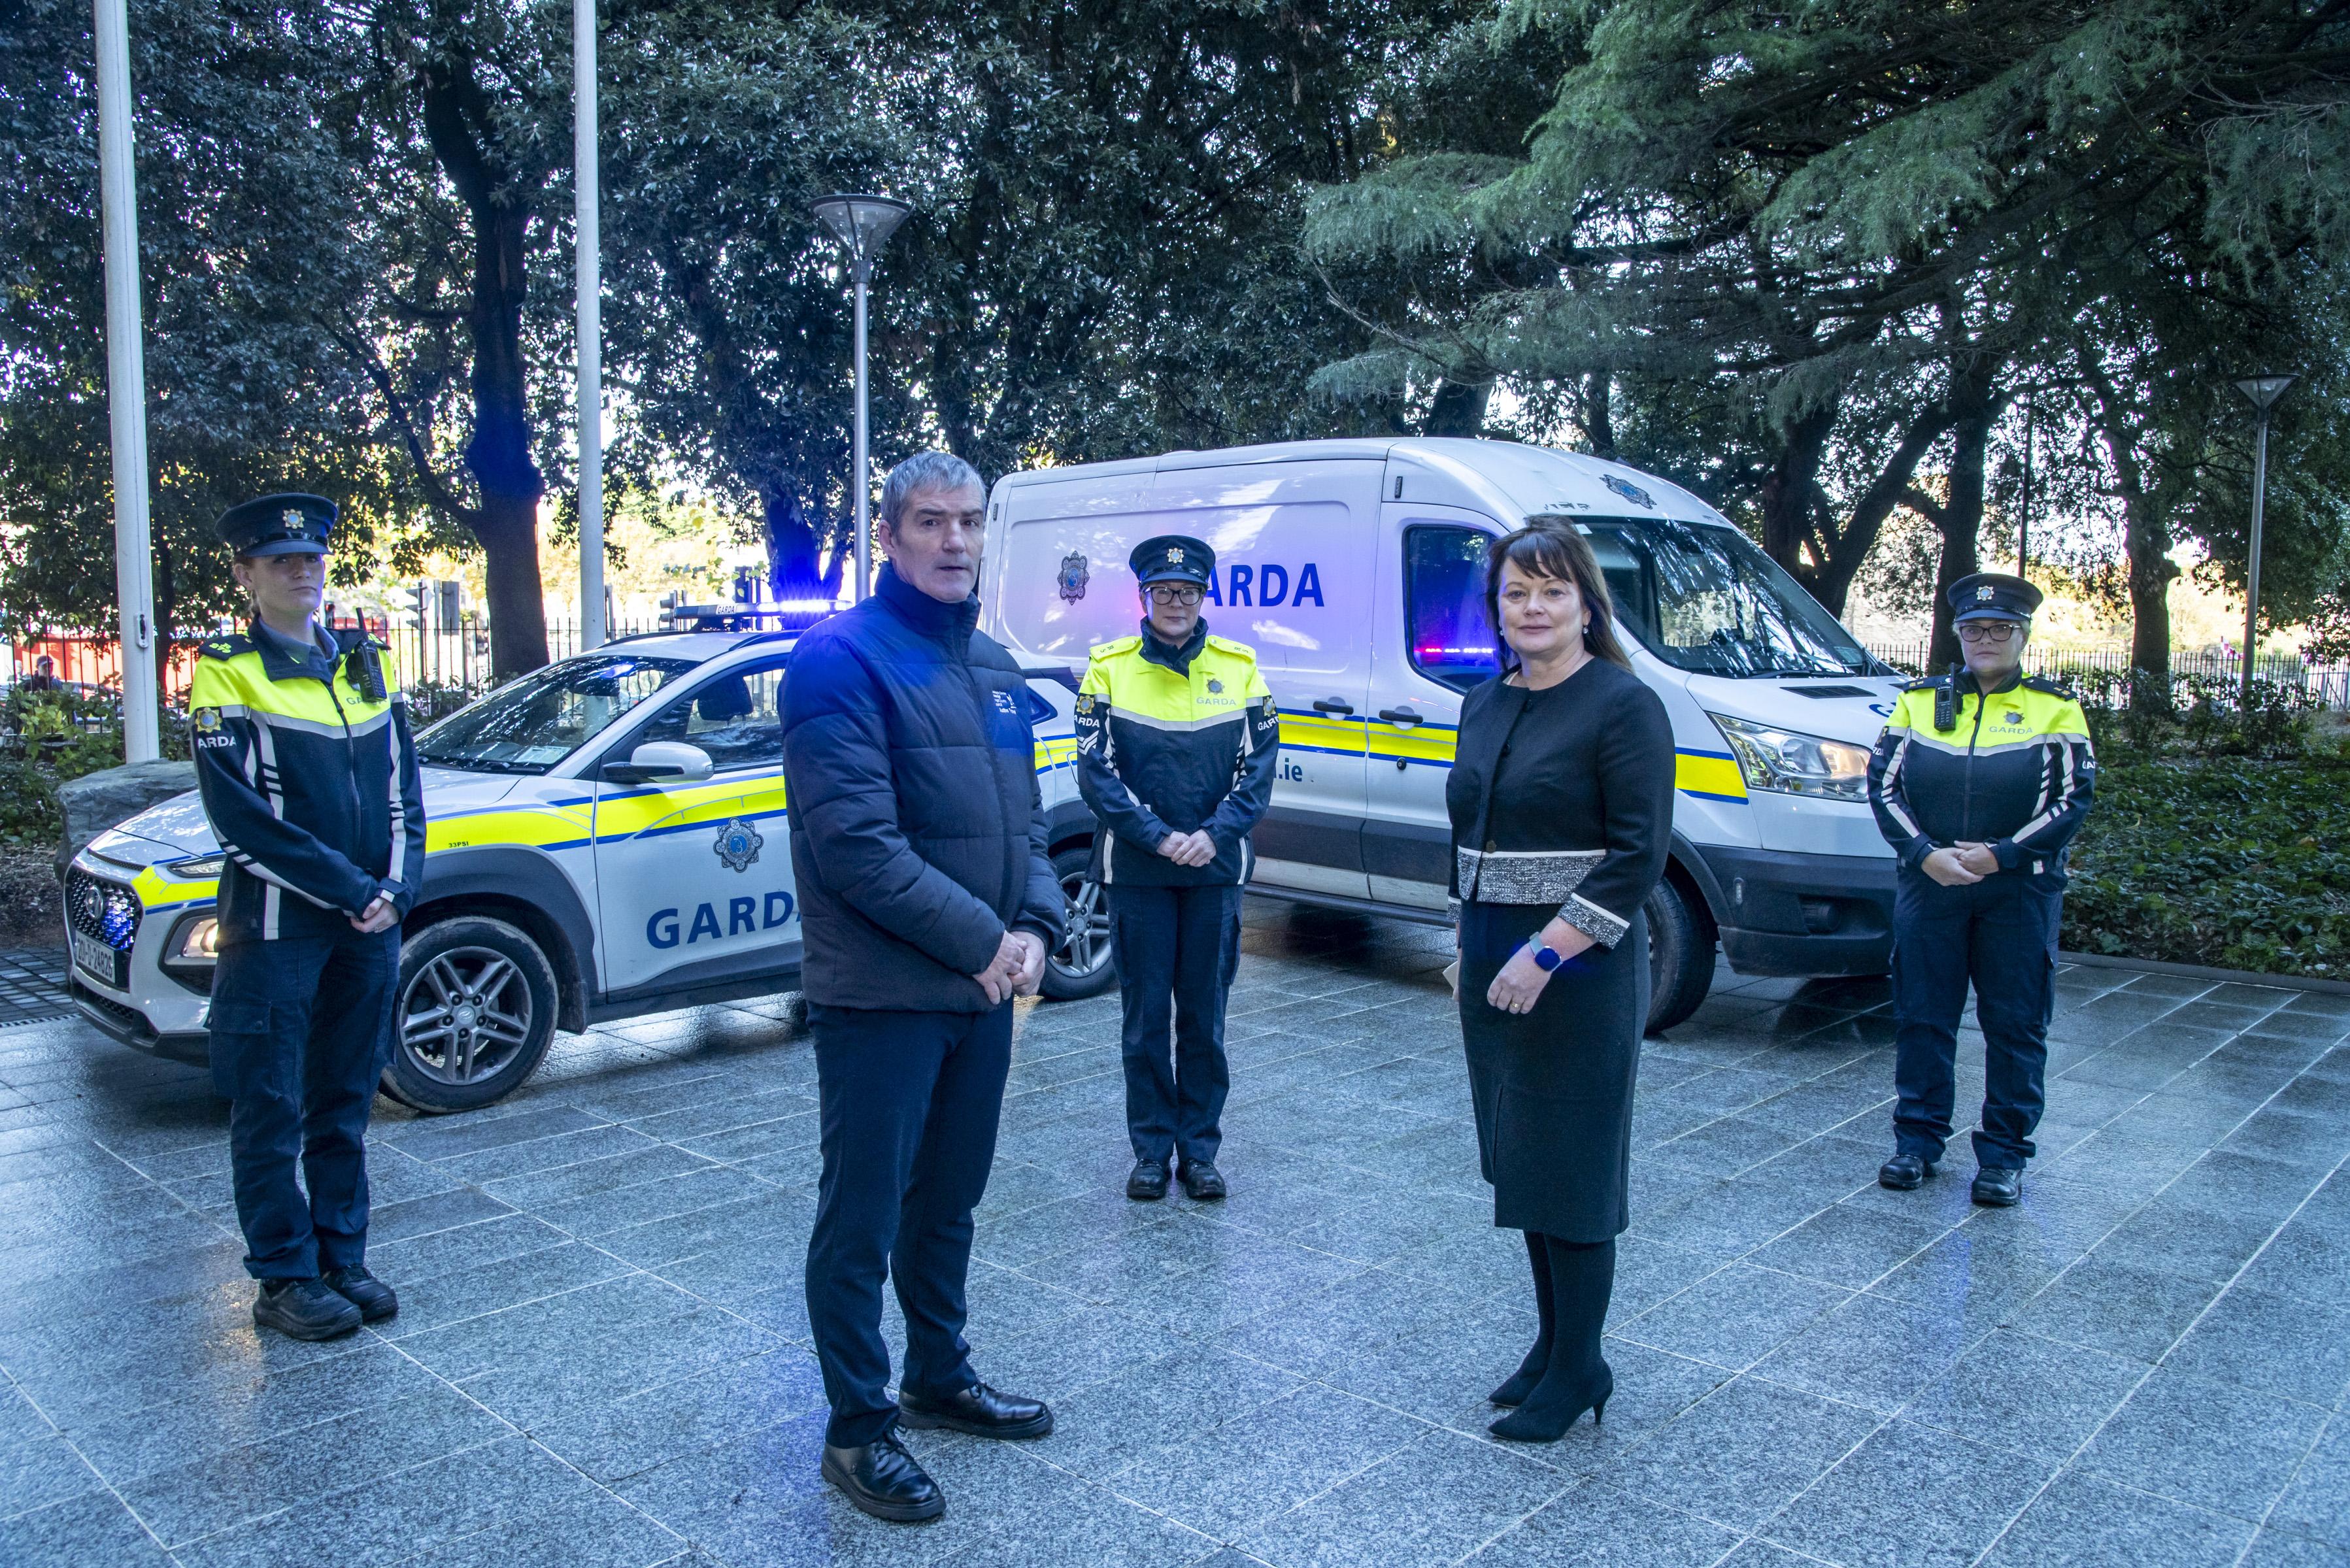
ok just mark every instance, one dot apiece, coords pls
pixel 602 1360
pixel 1911 1497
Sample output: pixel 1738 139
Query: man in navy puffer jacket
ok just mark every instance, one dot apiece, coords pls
pixel 927 902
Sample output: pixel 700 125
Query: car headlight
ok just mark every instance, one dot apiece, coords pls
pixel 198 941
pixel 203 868
pixel 1785 763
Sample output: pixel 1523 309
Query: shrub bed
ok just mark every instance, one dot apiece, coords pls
pixel 2236 863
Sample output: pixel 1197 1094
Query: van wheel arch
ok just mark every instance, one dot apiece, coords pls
pixel 1683 941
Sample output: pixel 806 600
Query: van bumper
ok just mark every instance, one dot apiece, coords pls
pixel 1783 913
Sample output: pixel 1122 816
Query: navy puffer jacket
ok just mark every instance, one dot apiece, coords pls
pixel 917 831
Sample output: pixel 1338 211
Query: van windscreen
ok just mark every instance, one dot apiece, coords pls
pixel 1704 599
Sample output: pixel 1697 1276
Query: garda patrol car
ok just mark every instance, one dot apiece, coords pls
pixel 606 838
pixel 1356 569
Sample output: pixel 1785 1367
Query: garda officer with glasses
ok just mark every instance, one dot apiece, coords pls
pixel 1177 742
pixel 1980 781
pixel 309 781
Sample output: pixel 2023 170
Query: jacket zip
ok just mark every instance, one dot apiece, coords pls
pixel 1966 789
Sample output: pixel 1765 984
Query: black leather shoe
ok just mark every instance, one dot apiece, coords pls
pixel 1147 1183
pixel 1903 1172
pixel 1998 1186
pixel 884 1481
pixel 304 1309
pixel 978 1410
pixel 1203 1182
pixel 364 1291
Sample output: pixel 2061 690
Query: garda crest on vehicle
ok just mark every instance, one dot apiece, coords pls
pixel 1074 576
pixel 738 844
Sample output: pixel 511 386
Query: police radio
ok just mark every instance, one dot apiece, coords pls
pixel 363 668
pixel 1946 703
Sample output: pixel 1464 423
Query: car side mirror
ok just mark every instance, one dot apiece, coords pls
pixel 663 763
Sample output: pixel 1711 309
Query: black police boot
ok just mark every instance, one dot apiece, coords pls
pixel 978 1410
pixel 374 1299
pixel 1147 1183
pixel 884 1481
pixel 1998 1186
pixel 304 1309
pixel 1203 1182
pixel 1903 1172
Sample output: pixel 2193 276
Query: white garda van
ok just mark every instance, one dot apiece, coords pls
pixel 1356 569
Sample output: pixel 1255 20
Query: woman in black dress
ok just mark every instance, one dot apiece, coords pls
pixel 1562 807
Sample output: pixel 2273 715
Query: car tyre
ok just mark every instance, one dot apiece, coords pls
pixel 1681 957
pixel 473 1015
pixel 1080 967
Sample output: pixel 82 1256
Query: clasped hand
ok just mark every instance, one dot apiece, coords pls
pixel 1518 984
pixel 1962 864
pixel 378 916
pixel 1017 969
pixel 1189 848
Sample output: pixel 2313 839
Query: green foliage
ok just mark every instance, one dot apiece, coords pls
pixel 2234 863
pixel 49 737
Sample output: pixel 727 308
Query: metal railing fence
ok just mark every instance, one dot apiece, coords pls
pixel 2318 685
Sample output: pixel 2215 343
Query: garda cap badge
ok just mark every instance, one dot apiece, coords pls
pixel 738 844
pixel 294 523
pixel 1073 576
pixel 1982 594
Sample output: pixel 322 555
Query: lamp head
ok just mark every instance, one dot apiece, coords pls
pixel 2265 390
pixel 862 223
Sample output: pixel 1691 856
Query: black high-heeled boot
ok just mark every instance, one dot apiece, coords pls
pixel 1583 1277
pixel 1538 1362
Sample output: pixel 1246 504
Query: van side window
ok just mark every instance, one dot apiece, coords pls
pixel 1445 632
pixel 736 717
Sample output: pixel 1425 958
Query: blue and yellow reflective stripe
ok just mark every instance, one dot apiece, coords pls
pixel 1055 753
pixel 1316 732
pixel 1709 775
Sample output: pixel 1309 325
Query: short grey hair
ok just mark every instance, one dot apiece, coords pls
pixel 926 471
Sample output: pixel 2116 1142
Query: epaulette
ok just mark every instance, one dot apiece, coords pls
pixel 1228 646
pixel 1924 683
pixel 1123 645
pixel 225 645
pixel 2051 686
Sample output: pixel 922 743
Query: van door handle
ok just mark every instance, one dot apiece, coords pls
pixel 1405 717
pixel 1333 705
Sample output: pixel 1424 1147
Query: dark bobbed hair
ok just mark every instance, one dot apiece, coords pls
pixel 1554 547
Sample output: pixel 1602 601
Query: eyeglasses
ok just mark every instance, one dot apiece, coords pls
pixel 1178 596
pixel 1989 630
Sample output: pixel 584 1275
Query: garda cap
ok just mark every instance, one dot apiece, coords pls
pixel 289 525
pixel 1172 558
pixel 1992 596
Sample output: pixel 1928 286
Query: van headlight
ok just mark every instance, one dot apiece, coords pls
pixel 1786 763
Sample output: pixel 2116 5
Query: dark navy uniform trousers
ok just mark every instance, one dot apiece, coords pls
pixel 1177 948
pixel 909 1104
pixel 2000 934
pixel 301 1030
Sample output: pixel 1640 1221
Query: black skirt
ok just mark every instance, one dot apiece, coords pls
pixel 1554 1087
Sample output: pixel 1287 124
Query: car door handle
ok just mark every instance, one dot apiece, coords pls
pixel 1403 717
pixel 1333 705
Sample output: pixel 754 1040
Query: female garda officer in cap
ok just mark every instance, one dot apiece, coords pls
pixel 1979 782
pixel 309 782
pixel 1177 739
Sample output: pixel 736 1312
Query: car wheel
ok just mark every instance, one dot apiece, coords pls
pixel 795 1012
pixel 473 1017
pixel 1681 957
pixel 1080 966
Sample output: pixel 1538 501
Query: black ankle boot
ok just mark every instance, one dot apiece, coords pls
pixel 1538 1362
pixel 1577 1379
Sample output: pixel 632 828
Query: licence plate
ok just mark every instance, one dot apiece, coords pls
pixel 95 960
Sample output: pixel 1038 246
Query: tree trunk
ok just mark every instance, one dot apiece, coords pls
pixel 2146 535
pixel 459 123
pixel 1598 414
pixel 1848 547
pixel 1459 407
pixel 792 551
pixel 1788 493
pixel 1961 522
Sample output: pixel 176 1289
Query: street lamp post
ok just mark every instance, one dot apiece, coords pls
pixel 2263 391
pixel 126 385
pixel 588 268
pixel 862 224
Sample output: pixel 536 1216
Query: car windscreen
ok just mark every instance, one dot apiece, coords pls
pixel 1704 599
pixel 534 723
